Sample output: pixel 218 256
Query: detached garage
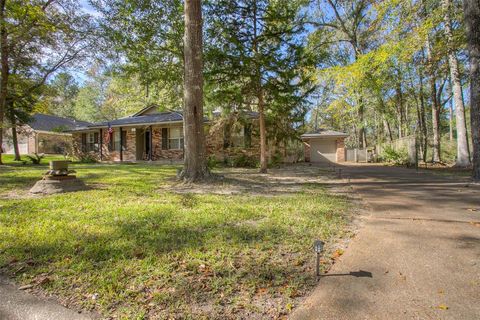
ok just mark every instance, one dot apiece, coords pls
pixel 324 146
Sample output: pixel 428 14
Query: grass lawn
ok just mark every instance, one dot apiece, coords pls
pixel 131 249
pixel 8 159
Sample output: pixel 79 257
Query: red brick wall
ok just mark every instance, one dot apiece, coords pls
pixel 214 146
pixel 163 154
pixel 130 152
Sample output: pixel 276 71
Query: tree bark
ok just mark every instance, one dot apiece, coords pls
pixel 263 133
pixel 260 98
pixel 435 105
pixel 3 71
pixel 463 157
pixel 435 121
pixel 423 119
pixel 195 167
pixel 13 122
pixel 472 22
pixel 450 113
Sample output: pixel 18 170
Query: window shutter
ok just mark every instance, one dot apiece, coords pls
pixel 164 138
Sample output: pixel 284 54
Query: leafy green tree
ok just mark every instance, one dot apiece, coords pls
pixel 256 61
pixel 472 22
pixel 37 38
pixel 64 90
pixel 144 39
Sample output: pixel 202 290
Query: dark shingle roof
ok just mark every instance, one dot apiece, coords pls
pixel 45 122
pixel 161 117
pixel 324 133
pixel 245 113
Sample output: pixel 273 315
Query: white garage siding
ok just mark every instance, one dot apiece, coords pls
pixel 323 150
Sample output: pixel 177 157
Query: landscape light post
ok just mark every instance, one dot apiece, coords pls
pixel 318 248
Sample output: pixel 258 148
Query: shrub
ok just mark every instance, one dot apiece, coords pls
pixel 36 158
pixel 244 161
pixel 276 160
pixel 391 155
pixel 212 162
pixel 87 158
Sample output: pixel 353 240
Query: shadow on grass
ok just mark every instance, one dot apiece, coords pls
pixel 155 235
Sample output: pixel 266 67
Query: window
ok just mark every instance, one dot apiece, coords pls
pixel 164 138
pixel 90 141
pixel 237 135
pixel 175 138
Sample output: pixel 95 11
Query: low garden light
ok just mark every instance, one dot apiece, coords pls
pixel 318 248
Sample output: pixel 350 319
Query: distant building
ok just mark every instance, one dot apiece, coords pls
pixel 324 146
pixel 44 134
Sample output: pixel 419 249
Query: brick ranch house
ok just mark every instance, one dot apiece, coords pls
pixel 43 134
pixel 324 146
pixel 154 135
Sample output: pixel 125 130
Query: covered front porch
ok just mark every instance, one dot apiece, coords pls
pixel 132 143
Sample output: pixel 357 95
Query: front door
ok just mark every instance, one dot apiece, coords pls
pixel 148 137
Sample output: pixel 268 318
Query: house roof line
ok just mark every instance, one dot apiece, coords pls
pixel 50 123
pixel 323 133
pixel 146 124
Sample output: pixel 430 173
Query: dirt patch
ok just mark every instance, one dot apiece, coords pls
pixel 235 181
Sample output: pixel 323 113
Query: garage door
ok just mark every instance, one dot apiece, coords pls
pixel 323 151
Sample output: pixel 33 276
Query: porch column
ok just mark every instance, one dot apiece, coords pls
pixel 101 144
pixel 121 144
pixel 151 144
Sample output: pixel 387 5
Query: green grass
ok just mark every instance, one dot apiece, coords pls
pixel 130 249
pixel 8 159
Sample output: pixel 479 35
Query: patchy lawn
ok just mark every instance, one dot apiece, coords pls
pixel 132 248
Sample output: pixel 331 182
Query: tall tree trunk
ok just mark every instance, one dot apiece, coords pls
pixel 260 97
pixel 361 130
pixel 435 105
pixel 423 119
pixel 450 112
pixel 400 115
pixel 435 121
pixel 263 132
pixel 13 122
pixel 195 167
pixel 387 126
pixel 3 71
pixel 472 22
pixel 419 126
pixel 463 157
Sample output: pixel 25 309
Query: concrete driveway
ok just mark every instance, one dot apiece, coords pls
pixel 418 250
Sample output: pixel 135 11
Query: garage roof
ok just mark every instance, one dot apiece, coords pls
pixel 46 122
pixel 324 133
